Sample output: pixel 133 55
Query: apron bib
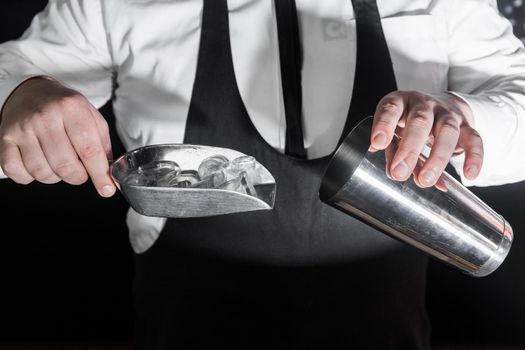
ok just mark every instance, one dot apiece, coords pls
pixel 299 274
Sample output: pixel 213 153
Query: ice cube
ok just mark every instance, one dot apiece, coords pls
pixel 239 184
pixel 243 163
pixel 238 165
pixel 233 185
pixel 183 184
pixel 132 178
pixel 255 172
pixel 213 180
pixel 138 178
pixel 157 173
pixel 168 179
pixel 212 165
pixel 248 185
pixel 187 178
pixel 159 167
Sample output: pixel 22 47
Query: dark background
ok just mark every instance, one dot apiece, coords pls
pixel 66 264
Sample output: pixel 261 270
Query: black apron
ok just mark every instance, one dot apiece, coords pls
pixel 302 275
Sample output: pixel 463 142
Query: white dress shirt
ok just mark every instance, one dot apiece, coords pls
pixel 142 53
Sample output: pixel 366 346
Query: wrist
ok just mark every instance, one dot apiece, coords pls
pixel 17 88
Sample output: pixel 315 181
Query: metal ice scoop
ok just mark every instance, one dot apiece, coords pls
pixel 158 199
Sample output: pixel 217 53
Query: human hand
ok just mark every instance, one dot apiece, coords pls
pixel 444 122
pixel 50 133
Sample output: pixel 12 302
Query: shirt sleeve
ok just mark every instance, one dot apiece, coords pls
pixel 487 70
pixel 66 41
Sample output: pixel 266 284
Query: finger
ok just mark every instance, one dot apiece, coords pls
pixel 446 135
pixel 415 135
pixel 471 142
pixel 440 184
pixel 12 164
pixel 417 171
pixel 59 152
pixel 103 132
pixel 83 134
pixel 35 161
pixel 388 113
pixel 390 151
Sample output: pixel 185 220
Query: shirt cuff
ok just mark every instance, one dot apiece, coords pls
pixel 493 122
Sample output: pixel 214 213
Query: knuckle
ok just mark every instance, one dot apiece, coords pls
pixel 27 126
pixel 429 100
pixel 23 180
pixel 476 152
pixel 449 124
pixel 474 133
pixel 38 121
pixel 41 172
pixel 7 136
pixel 45 121
pixel 383 124
pixel 440 160
pixel 417 95
pixel 89 151
pixel 410 152
pixel 13 169
pixel 71 101
pixel 103 123
pixel 81 179
pixel 67 170
pixel 421 117
pixel 50 180
pixel 104 127
pixel 389 106
pixel 78 179
pixel 41 115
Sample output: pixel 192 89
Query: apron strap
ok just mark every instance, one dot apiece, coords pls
pixel 374 72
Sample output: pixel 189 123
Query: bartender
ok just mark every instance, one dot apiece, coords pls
pixel 282 81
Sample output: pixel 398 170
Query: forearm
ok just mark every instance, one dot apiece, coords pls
pixel 66 41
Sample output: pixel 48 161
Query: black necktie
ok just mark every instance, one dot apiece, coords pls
pixel 374 73
pixel 291 64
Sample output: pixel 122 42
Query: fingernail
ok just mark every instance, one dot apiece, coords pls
pixel 380 139
pixel 472 171
pixel 401 171
pixel 107 190
pixel 428 177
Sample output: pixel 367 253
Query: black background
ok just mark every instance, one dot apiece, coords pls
pixel 66 264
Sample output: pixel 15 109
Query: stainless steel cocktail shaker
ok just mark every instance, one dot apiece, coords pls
pixel 450 224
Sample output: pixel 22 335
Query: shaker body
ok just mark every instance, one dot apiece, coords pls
pixel 451 223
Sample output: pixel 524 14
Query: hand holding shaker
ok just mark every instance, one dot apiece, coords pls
pixel 451 223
